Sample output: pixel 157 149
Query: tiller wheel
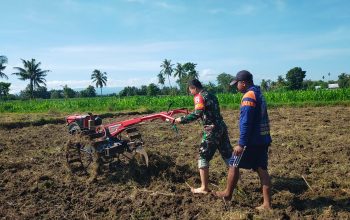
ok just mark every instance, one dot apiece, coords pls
pixel 86 153
pixel 82 158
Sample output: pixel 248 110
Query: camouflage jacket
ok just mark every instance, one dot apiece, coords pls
pixel 206 107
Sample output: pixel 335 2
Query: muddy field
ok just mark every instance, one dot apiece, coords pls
pixel 310 146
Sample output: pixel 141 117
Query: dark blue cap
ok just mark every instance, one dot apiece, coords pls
pixel 242 75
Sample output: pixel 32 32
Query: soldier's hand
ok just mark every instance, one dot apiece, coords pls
pixel 238 150
pixel 177 121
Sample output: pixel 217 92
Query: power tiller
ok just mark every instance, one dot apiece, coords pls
pixel 93 143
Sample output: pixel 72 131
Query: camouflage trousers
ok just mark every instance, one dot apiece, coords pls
pixel 214 137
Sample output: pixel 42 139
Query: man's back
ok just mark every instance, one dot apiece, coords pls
pixel 211 114
pixel 254 121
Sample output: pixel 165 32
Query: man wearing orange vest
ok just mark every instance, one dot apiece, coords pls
pixel 254 140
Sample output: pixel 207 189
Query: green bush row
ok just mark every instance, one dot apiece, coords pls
pixel 160 103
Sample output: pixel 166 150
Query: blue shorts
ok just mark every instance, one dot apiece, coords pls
pixel 253 158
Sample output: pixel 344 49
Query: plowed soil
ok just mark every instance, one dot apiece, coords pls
pixel 309 164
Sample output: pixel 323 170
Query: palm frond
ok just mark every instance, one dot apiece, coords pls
pixel 32 72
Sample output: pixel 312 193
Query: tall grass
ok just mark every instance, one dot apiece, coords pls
pixel 160 103
pixel 289 98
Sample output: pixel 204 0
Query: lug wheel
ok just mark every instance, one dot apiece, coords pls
pixel 81 156
pixel 135 144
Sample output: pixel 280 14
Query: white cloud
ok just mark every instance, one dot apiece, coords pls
pixel 15 88
pixel 114 57
pixel 121 49
pixel 207 75
pixel 58 84
pixel 136 1
pixel 75 84
pixel 246 9
pixel 167 6
pixel 316 53
pixel 12 31
pixel 280 4
pixel 135 64
pixel 157 3
pixel 121 65
pixel 252 9
pixel 132 82
pixel 217 11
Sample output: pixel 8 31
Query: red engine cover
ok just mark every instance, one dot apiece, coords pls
pixel 82 120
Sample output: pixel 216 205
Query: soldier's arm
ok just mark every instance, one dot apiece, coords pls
pixel 198 110
pixel 192 116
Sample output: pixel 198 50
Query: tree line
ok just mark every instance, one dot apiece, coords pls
pixel 182 73
pixel 36 88
pixel 294 79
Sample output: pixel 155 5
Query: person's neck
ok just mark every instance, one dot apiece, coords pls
pixel 247 88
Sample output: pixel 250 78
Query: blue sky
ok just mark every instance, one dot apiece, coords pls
pixel 129 39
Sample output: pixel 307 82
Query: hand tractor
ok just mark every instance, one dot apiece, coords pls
pixel 93 143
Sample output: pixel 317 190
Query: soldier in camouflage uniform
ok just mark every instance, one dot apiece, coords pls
pixel 215 135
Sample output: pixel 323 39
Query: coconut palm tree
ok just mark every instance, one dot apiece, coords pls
pixel 33 73
pixel 190 69
pixel 180 71
pixel 100 78
pixel 161 79
pixel 167 69
pixel 3 60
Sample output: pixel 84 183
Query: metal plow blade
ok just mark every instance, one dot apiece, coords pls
pixel 142 151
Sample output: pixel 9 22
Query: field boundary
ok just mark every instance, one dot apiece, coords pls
pixel 161 103
pixel 42 121
pixel 61 120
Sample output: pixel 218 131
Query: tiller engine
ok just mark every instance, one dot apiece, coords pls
pixel 93 143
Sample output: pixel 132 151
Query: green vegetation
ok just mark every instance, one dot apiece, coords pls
pixel 100 78
pixel 160 103
pixel 4 89
pixel 182 74
pixel 291 90
pixel 3 60
pixel 33 73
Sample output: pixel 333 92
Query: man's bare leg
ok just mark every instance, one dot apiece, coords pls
pixel 266 189
pixel 232 180
pixel 204 174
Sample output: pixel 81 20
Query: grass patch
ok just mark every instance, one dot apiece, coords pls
pixel 55 107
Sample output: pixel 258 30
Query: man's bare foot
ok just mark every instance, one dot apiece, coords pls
pixel 223 194
pixel 199 190
pixel 263 208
